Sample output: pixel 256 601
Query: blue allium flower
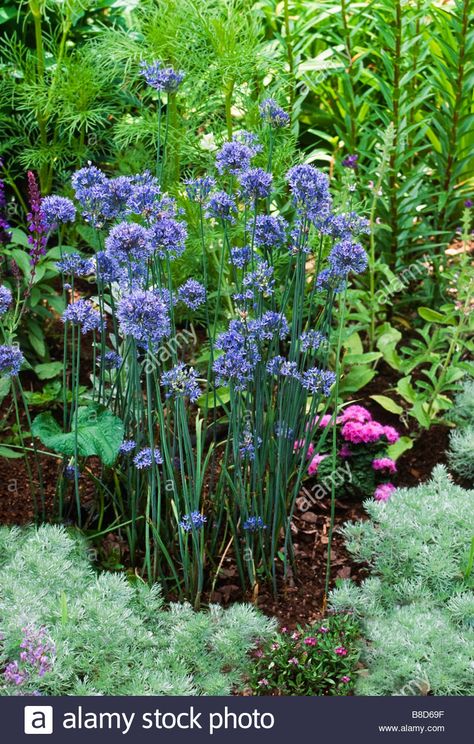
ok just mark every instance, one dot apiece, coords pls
pixel 192 294
pixel 107 268
pixel 344 225
pixel 253 524
pixel 241 355
pixel 269 325
pixel 161 78
pixel 91 188
pixel 128 242
pixel 112 360
pixel 327 280
pixel 255 183
pixel 273 114
pixel 193 521
pixel 143 315
pixel 248 444
pixel 167 237
pixel 312 340
pixel 261 279
pixel 240 256
pixel 350 161
pixel 181 382
pixel 270 231
pixel 11 360
pixel 198 189
pixel 282 430
pixel 57 210
pixel 145 195
pixel 318 380
pixel 116 197
pixel 221 206
pixel 281 366
pixel 310 189
pixel 5 300
pixel 234 157
pixel 75 265
pixel 127 446
pixel 145 458
pixel 83 314
pixel 71 471
pixel 250 139
pixel 347 256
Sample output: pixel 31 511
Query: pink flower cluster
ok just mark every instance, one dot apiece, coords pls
pixel 384 491
pixel 385 464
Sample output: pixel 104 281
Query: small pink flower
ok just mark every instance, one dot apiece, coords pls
pixel 385 463
pixel 284 629
pixel 340 651
pixel 263 682
pixel 295 636
pixel 293 661
pixel 310 641
pixel 275 646
pixel 259 653
pixel 391 434
pixel 325 420
pixel 345 451
pixel 345 679
pixel 384 491
pixel 355 413
pixel 323 629
pixel 314 464
pixel 300 443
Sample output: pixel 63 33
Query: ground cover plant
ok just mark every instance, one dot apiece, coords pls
pixel 236 293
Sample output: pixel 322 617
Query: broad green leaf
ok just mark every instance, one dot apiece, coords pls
pixel 433 316
pixel 406 390
pixel 387 343
pixel 387 403
pixel 356 379
pixel 399 447
pixel 11 454
pixel 48 370
pixel 222 397
pixel 353 344
pixel 99 433
pixel 367 358
pixel 5 385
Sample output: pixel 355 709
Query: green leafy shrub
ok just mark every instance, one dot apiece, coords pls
pixel 105 635
pixel 316 660
pixel 417 607
pixel 461 452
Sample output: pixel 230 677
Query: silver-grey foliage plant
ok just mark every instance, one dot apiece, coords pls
pixel 417 605
pixel 110 637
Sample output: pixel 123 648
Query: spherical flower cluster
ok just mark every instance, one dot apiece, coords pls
pixel 273 114
pixel 270 231
pixel 269 325
pixel 5 299
pixel 347 256
pixel 73 264
pixel 386 464
pixel 11 360
pixel 384 491
pixel 143 315
pixel 128 242
pixel 318 381
pixel 145 197
pixel 234 157
pixel 354 413
pixel 260 280
pixel 344 226
pixel 280 366
pixel 83 314
pixel 253 524
pixel 111 360
pixel 221 206
pixel 312 340
pixel 198 189
pixel 192 294
pixel 161 78
pixel 241 355
pixel 356 432
pixel 340 651
pixel 91 187
pixel 193 521
pixel 167 237
pixel 255 184
pixel 329 281
pixel 144 459
pixel 248 443
pixel 310 189
pixel 57 210
pixel 391 434
pixel 107 269
pixel 181 382
pixel 310 641
pixel 240 256
pixel 127 446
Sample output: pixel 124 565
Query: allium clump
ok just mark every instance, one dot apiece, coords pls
pixel 167 237
pixel 75 265
pixel 253 524
pixel 57 210
pixel 347 257
pixel 270 231
pixel 234 157
pixel 83 314
pixel 143 315
pixel 111 360
pixel 193 521
pixel 312 340
pixel 5 299
pixel 221 206
pixel 310 190
pixel 318 381
pixel 255 184
pixel 11 360
pixel 128 242
pixel 240 256
pixel 198 189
